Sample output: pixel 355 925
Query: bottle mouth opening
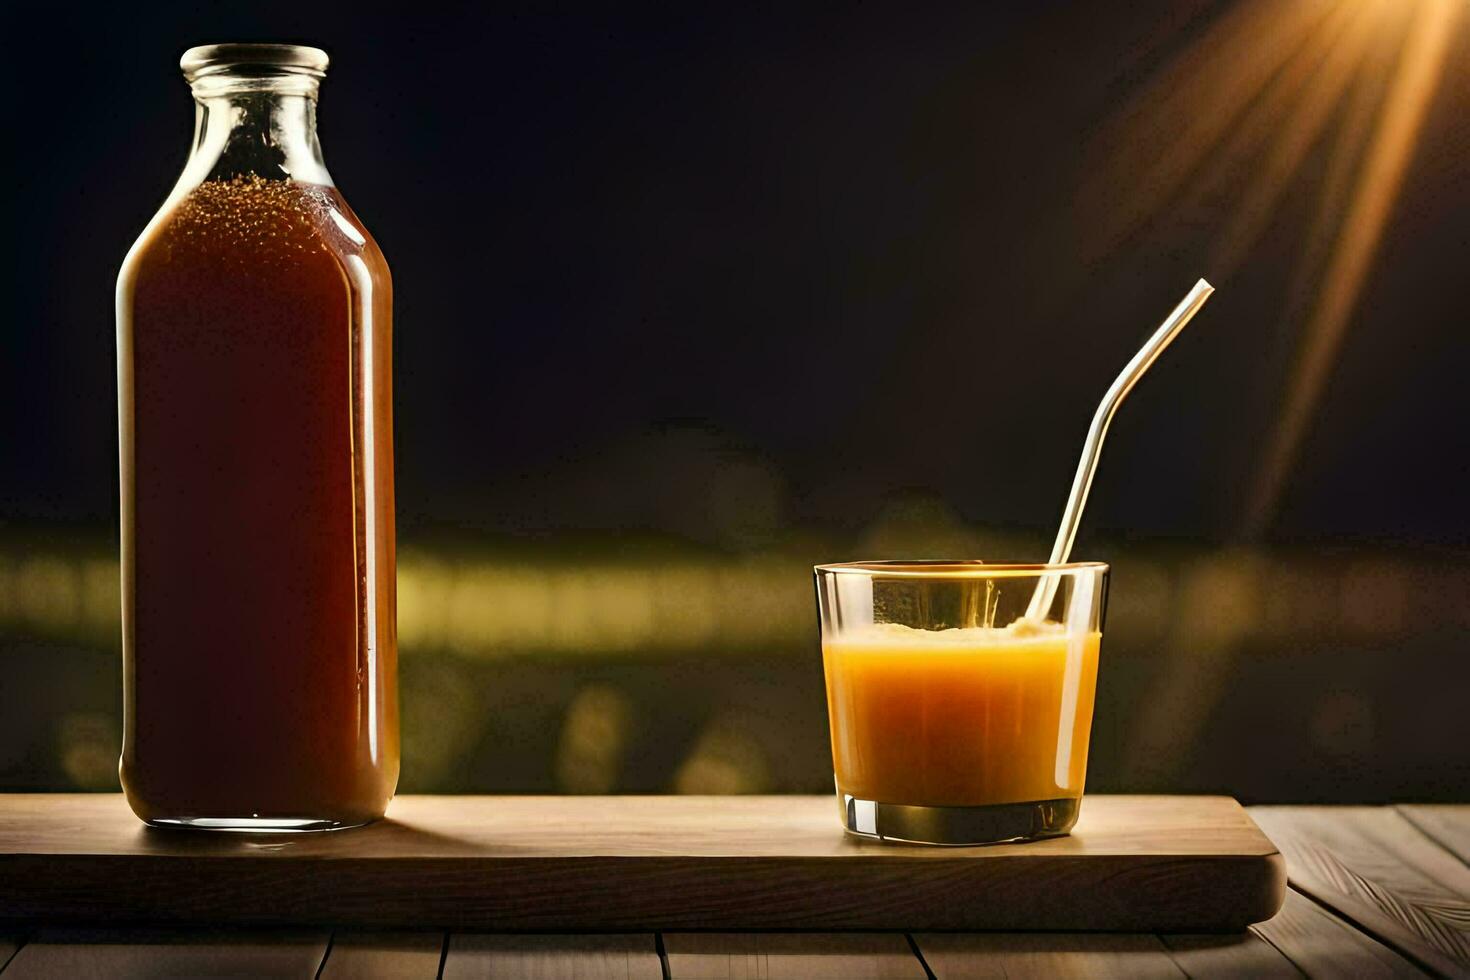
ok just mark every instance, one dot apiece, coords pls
pixel 221 68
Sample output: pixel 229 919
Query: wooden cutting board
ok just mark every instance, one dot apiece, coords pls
pixel 1134 863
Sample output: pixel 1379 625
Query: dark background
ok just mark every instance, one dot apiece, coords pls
pixel 791 285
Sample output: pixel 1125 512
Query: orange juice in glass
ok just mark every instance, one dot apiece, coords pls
pixel 960 696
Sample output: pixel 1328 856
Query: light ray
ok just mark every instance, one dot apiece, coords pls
pixel 1399 123
pixel 1344 161
pixel 1226 133
pixel 1191 108
pixel 1291 133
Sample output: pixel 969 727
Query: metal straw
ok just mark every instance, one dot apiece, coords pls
pixel 1046 589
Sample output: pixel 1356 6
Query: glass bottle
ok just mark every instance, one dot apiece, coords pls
pixel 255 427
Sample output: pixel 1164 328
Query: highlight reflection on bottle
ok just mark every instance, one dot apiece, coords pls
pixel 254 371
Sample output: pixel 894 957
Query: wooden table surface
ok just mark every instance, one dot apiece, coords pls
pixel 1374 891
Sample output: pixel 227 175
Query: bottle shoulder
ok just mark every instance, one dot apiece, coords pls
pixel 356 239
pixel 254 225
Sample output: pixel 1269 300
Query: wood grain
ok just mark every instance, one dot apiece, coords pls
pixel 1322 945
pixel 1447 824
pixel 383 955
pixel 791 956
pixel 615 957
pixel 588 864
pixel 1226 957
pixel 1377 870
pixel 1044 956
pixel 118 955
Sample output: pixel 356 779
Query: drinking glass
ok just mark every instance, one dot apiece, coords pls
pixel 956 717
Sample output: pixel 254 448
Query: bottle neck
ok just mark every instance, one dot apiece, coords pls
pixel 264 133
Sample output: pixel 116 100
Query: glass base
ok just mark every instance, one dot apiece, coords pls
pixel 253 825
pixel 957 826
